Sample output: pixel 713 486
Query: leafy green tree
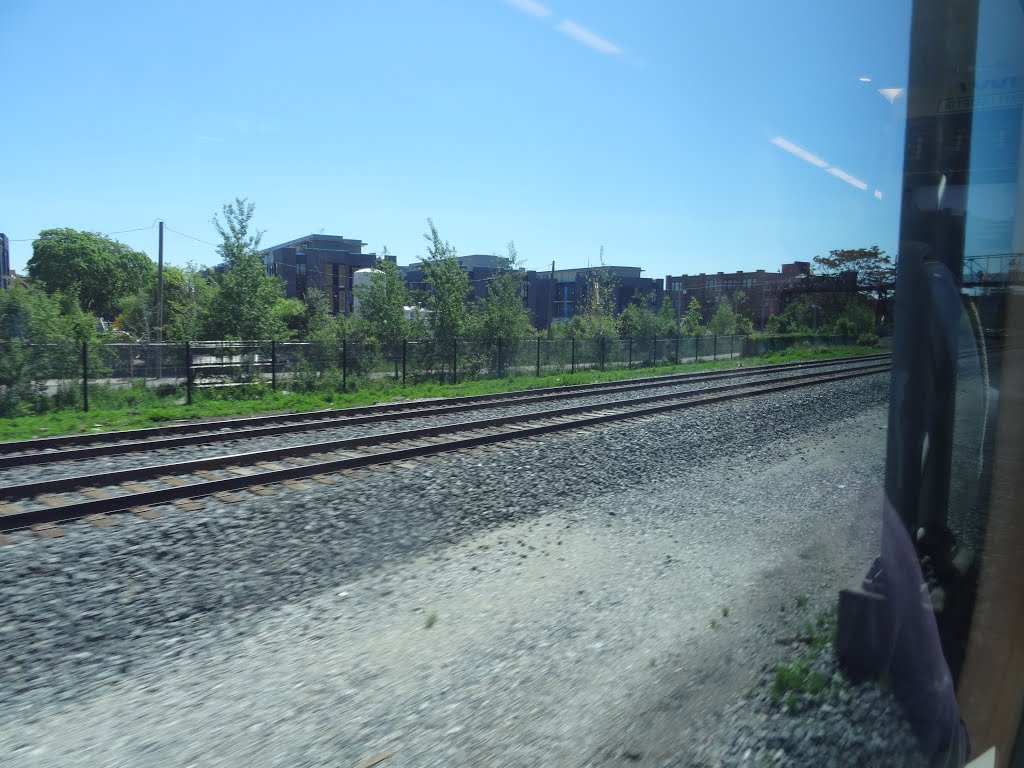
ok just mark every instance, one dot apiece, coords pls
pixel 667 318
pixel 447 290
pixel 639 321
pixel 291 314
pixel 691 323
pixel 32 316
pixel 502 313
pixel 876 274
pixel 243 307
pixel 595 313
pixel 382 304
pixel 91 268
pixel 723 321
pixel 744 324
pixel 795 318
pixel 854 319
pixel 189 295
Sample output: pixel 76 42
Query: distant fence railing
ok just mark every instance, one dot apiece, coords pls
pixel 66 372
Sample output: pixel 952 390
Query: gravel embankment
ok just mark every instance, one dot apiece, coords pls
pixel 579 587
pixel 171 456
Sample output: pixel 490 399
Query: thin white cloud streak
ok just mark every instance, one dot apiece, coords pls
pixel 841 174
pixel 531 7
pixel 588 38
pixel 803 154
pixel 817 162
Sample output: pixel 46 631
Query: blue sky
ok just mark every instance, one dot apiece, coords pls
pixel 645 127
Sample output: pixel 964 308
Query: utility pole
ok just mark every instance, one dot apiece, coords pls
pixel 160 305
pixel 551 307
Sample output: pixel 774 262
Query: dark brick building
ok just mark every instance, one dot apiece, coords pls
pixel 763 290
pixel 570 291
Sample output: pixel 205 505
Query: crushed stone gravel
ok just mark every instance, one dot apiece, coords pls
pixel 593 598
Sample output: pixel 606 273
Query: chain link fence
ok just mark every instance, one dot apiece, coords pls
pixel 67 374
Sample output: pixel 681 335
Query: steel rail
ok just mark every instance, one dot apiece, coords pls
pixel 154 438
pixel 464 435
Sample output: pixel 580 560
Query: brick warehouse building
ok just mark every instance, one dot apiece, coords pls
pixel 570 286
pixel 764 290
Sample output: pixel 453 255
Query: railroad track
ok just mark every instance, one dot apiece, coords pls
pixel 43 504
pixel 95 445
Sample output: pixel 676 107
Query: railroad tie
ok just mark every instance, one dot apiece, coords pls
pixel 52 499
pixel 101 520
pixel 47 531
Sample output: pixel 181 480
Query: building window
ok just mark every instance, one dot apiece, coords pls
pixel 335 288
pixel 300 275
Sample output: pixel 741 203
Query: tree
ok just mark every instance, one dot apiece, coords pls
pixel 639 321
pixel 32 316
pixel 743 325
pixel 237 242
pixel 795 318
pixel 723 322
pixel 667 318
pixel 243 306
pixel 595 315
pixel 690 324
pixel 189 295
pixel 854 319
pixel 502 313
pixel 447 290
pixel 89 267
pixel 382 304
pixel 37 317
pixel 876 274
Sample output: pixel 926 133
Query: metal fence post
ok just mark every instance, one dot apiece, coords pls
pixel 455 360
pixel 732 339
pixel 344 364
pixel 602 351
pixel 631 353
pixel 188 373
pixel 538 356
pixel 696 347
pixel 573 364
pixel 677 348
pixel 655 351
pixel 499 359
pixel 273 365
pixel 714 355
pixel 405 349
pixel 85 376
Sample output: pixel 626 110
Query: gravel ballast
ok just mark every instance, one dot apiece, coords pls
pixel 576 591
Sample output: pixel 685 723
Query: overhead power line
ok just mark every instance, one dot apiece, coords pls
pixel 190 237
